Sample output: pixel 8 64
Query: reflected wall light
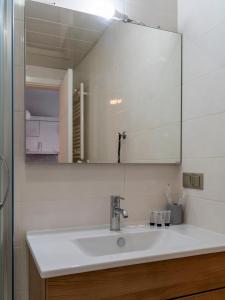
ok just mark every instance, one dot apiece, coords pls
pixel 101 8
pixel 116 101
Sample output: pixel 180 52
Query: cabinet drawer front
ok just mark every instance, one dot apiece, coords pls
pixel 214 295
pixel 153 281
pixel 202 275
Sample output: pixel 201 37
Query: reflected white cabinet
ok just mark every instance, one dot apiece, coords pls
pixel 49 137
pixel 32 128
pixel 42 136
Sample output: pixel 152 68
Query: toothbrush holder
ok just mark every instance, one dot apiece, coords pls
pixel 176 213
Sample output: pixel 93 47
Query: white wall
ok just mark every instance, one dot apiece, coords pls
pixel 70 195
pixel 141 67
pixel 161 13
pixel 45 76
pixel 203 24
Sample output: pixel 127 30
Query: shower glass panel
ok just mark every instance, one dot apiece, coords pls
pixel 6 166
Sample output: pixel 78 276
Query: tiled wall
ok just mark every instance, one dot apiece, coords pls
pixel 69 195
pixel 203 24
pixel 161 13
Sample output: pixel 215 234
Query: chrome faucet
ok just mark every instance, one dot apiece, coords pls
pixel 115 212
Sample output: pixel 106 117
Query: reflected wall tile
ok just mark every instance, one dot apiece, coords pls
pixel 19 6
pixel 19 131
pixel 19 43
pixel 19 88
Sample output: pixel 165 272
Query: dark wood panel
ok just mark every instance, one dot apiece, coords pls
pixel 159 280
pixel 214 295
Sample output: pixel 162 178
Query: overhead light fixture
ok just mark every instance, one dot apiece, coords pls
pixel 101 8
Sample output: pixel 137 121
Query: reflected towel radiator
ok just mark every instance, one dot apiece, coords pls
pixel 78 124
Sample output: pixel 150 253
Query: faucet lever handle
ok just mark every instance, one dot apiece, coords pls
pixel 117 198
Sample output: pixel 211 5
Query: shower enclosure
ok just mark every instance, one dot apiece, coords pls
pixel 6 148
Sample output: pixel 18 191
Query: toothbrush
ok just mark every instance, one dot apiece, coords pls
pixel 168 194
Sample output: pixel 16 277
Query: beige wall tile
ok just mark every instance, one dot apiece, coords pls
pixel 202 23
pixel 19 88
pixel 19 43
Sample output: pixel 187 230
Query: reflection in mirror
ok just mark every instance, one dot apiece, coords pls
pixel 100 90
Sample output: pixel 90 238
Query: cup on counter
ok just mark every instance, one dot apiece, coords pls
pixel 167 217
pixel 153 217
pixel 176 213
pixel 160 218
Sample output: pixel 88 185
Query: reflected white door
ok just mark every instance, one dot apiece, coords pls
pixel 66 119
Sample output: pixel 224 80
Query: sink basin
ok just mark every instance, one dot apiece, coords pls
pixel 131 242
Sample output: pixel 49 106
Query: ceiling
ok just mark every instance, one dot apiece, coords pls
pixel 59 38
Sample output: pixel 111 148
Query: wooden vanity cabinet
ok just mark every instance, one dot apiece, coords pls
pixel 193 278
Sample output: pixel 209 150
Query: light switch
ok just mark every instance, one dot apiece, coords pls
pixel 193 181
pixel 187 180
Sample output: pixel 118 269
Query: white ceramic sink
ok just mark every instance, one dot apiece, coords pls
pixel 132 242
pixel 64 252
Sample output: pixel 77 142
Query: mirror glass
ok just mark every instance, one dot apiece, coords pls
pixel 100 90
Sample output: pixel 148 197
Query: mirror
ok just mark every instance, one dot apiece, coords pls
pixel 100 91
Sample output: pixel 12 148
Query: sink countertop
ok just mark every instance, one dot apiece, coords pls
pixel 57 252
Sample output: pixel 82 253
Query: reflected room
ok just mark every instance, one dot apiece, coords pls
pixel 100 90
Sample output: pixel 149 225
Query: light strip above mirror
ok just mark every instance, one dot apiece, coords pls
pixel 101 8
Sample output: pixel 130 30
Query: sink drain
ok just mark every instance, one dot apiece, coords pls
pixel 121 242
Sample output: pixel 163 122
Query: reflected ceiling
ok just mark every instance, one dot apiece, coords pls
pixel 59 38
